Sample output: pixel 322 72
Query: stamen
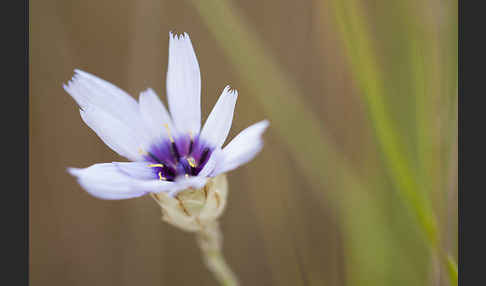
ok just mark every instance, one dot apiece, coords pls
pixel 204 156
pixel 190 135
pixel 168 132
pixel 142 152
pixel 156 165
pixel 191 162
pixel 191 144
pixel 176 151
pixel 154 157
pixel 170 172
pixel 162 178
pixel 186 175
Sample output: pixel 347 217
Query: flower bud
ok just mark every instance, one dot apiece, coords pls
pixel 195 209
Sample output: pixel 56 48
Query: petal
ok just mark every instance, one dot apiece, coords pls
pixel 89 90
pixel 118 136
pixel 99 101
pixel 107 181
pixel 183 183
pixel 154 114
pixel 207 170
pixel 218 124
pixel 242 148
pixel 184 85
pixel 136 170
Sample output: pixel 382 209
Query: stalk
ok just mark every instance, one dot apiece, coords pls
pixel 197 211
pixel 210 241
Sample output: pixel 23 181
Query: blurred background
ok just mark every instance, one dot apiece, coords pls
pixel 356 184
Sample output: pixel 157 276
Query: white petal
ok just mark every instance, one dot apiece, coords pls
pixel 184 85
pixel 218 124
pixel 90 90
pixel 114 133
pixel 96 95
pixel 183 183
pixel 107 181
pixel 242 148
pixel 154 114
pixel 207 170
pixel 137 170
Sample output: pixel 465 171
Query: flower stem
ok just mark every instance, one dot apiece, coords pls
pixel 210 241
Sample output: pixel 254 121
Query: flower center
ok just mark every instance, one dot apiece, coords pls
pixel 174 157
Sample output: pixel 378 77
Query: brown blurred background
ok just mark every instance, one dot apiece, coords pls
pixel 276 231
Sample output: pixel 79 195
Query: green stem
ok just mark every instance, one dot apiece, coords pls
pixel 452 270
pixel 210 241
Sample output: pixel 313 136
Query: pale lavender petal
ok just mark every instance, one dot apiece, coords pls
pixel 184 85
pixel 100 100
pixel 137 170
pixel 89 90
pixel 155 115
pixel 242 148
pixel 218 124
pixel 211 164
pixel 183 183
pixel 118 136
pixel 108 181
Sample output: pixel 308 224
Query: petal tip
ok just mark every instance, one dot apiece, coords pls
pixel 66 87
pixel 73 171
pixel 230 90
pixel 78 72
pixel 184 36
pixel 265 123
pixel 146 92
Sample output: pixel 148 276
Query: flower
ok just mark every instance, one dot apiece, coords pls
pixel 169 152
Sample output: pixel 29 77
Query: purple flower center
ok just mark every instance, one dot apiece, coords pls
pixel 183 156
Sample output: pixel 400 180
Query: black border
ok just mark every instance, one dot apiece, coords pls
pixel 471 196
pixel 26 141
pixel 14 210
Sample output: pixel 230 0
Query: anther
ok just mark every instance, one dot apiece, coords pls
pixel 191 162
pixel 156 165
pixel 162 178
